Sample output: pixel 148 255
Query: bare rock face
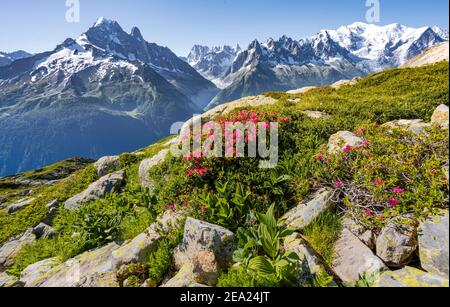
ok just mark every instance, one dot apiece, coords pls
pixel 354 260
pixel 441 116
pixel 397 242
pixel 106 165
pixel 305 213
pixel 343 139
pixel 108 184
pixel 433 244
pixel 148 164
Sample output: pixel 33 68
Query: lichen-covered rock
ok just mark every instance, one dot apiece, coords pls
pixel 433 244
pixel 107 184
pixel 44 231
pixel 136 249
pixel 206 269
pixel 184 279
pixel 354 260
pixel 364 234
pixel 410 278
pixel 9 249
pixel 200 236
pixel 207 249
pixel 343 139
pixel 34 274
pixel 397 242
pixel 7 281
pixel 98 268
pixel 441 116
pixel 416 126
pixel 315 114
pixel 19 205
pixel 145 167
pixel 106 165
pixel 305 213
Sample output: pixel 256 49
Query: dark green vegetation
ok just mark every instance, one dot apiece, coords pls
pixel 234 192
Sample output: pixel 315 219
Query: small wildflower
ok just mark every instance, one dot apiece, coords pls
pixel 171 207
pixel 338 184
pixel 398 191
pixel 320 157
pixel 347 149
pixel 379 182
pixel 393 202
pixel 368 213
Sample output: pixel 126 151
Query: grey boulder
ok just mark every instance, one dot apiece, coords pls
pixel 108 184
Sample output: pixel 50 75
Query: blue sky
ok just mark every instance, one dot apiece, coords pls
pixel 40 25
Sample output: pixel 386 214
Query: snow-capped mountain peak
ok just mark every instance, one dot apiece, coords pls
pixel 212 62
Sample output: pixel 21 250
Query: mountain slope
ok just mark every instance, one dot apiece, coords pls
pixel 86 99
pixel 432 55
pixel 331 55
pixel 212 63
pixel 107 35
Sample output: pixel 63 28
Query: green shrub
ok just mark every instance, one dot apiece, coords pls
pixel 160 261
pixel 393 173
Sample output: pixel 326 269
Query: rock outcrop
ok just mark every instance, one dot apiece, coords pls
pixel 339 141
pixel 206 250
pixel 34 274
pixel 148 164
pixel 19 205
pixel 9 249
pixel 364 234
pixel 416 126
pixel 7 281
pixel 397 242
pixel 106 165
pixel 433 244
pixel 306 212
pixel 441 116
pixel 354 260
pixel 98 268
pixel 410 278
pixel 108 184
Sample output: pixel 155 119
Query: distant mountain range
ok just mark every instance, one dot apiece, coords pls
pixel 8 58
pixel 109 91
pixel 331 55
pixel 103 93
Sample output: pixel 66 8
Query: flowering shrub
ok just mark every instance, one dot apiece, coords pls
pixel 392 173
